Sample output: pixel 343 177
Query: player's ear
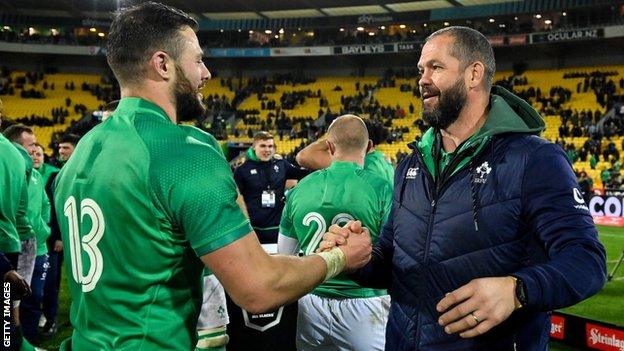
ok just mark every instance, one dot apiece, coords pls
pixel 370 146
pixel 330 147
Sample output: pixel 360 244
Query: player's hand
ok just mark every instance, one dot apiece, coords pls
pixel 58 246
pixel 19 286
pixel 354 240
pixel 338 235
pixel 478 306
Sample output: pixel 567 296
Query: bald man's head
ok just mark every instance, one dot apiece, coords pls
pixel 349 135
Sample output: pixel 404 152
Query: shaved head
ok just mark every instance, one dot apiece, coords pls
pixel 349 135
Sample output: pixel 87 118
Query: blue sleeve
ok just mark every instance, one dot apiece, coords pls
pixel 5 265
pixel 574 267
pixel 238 178
pixel 377 273
pixel 293 172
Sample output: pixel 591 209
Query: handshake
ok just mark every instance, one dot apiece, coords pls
pixel 354 241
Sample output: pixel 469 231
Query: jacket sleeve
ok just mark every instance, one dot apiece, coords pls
pixel 55 231
pixel 238 178
pixel 554 211
pixel 377 273
pixel 5 265
pixel 293 172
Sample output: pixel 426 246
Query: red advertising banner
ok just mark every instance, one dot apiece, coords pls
pixel 557 327
pixel 603 338
pixel 497 41
pixel 517 39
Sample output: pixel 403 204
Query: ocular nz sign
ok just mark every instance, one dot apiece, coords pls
pixel 567 35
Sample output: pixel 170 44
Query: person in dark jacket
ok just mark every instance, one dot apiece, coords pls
pixel 488 230
pixel 261 180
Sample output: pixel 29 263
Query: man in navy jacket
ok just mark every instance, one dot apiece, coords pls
pixel 488 230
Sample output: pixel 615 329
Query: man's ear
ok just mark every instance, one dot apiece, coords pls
pixel 477 74
pixel 331 147
pixel 370 146
pixel 162 64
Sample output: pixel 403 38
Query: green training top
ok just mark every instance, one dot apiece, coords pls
pixel 39 211
pixel 376 162
pixel 14 195
pixel 335 195
pixel 23 225
pixel 138 202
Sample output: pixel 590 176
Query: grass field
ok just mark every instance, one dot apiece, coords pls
pixel 606 306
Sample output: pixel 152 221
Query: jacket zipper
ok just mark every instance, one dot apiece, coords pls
pixel 438 185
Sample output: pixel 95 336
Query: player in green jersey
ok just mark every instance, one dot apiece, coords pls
pixel 317 156
pixel 339 314
pixel 144 205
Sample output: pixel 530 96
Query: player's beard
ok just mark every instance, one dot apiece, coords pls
pixel 450 103
pixel 187 99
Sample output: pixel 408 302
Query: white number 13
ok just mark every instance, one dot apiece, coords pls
pixel 88 243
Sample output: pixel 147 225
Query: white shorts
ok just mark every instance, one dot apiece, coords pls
pixel 342 324
pixel 214 307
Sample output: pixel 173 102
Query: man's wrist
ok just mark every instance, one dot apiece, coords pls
pixel 336 260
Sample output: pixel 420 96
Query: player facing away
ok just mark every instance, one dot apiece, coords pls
pixel 339 314
pixel 144 205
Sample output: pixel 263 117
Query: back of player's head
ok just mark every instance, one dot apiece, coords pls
pixel 14 132
pixel 70 138
pixel 139 31
pixel 349 134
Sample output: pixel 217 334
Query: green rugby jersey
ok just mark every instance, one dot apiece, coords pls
pixel 139 200
pixel 337 194
pixel 13 199
pixel 376 162
pixel 38 211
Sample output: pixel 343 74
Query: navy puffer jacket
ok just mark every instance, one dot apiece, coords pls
pixel 513 210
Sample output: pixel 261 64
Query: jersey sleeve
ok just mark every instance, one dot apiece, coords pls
pixel 194 184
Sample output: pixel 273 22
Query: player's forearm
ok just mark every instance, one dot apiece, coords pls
pixel 258 282
pixel 314 156
pixel 292 277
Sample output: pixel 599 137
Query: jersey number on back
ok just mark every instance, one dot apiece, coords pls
pixel 321 227
pixel 88 242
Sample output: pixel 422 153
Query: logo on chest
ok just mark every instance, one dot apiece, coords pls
pixel 482 173
pixel 253 171
pixel 412 173
pixel 276 168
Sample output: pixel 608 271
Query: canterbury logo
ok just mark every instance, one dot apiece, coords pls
pixel 412 173
pixel 87 243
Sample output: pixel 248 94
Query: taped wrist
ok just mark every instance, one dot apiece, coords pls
pixel 213 339
pixel 335 260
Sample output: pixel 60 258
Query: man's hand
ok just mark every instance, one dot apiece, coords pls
pixel 478 306
pixel 353 239
pixel 19 286
pixel 58 246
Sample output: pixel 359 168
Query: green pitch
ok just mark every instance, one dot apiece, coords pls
pixel 606 306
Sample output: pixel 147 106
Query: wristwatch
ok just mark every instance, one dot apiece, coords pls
pixel 521 295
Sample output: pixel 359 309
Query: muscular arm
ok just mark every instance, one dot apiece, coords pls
pixel 314 156
pixel 259 282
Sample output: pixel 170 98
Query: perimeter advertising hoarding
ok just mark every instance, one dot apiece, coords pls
pixel 568 35
pixel 364 49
